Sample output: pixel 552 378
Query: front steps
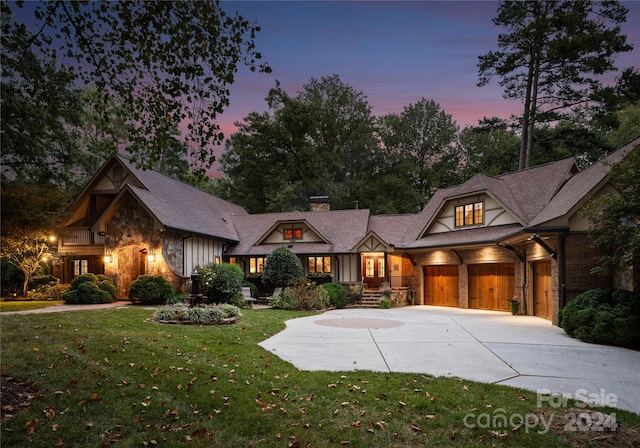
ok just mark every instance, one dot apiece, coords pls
pixel 370 299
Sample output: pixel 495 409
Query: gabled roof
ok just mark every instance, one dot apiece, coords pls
pixel 342 229
pixel 294 217
pixel 514 191
pixel 177 205
pixel 581 187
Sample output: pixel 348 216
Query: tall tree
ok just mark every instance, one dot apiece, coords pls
pixel 319 142
pixel 551 56
pixel 614 217
pixel 41 111
pixel 490 148
pixel 164 60
pixel 423 138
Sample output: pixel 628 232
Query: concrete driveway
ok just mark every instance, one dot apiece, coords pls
pixel 487 346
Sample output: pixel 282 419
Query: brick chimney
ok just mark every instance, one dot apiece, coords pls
pixel 319 204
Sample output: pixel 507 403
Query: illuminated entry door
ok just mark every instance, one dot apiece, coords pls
pixel 373 269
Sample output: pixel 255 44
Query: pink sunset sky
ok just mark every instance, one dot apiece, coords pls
pixel 394 52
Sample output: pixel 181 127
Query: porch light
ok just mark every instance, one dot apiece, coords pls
pixel 107 256
pixel 151 256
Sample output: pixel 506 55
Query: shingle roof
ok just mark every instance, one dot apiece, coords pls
pixel 342 228
pixel 180 206
pixel 467 237
pixel 580 187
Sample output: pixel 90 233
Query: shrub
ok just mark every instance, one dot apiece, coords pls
pixel 150 289
pixel 354 293
pixel 89 288
pixel 42 280
pixel 303 295
pixel 385 304
pixel 606 316
pixel 177 300
pixel 222 283
pixel 282 267
pixel 337 294
pixel 48 292
pixel 198 315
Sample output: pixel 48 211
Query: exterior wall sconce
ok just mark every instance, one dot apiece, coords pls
pixel 107 256
pixel 151 256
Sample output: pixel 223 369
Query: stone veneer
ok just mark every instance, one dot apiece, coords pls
pixel 131 234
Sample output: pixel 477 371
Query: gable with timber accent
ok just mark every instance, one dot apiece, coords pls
pixel 284 232
pixel 373 243
pixel 494 214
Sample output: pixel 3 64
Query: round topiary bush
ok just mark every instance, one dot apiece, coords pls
pixel 606 316
pixel 90 288
pixel 337 294
pixel 282 266
pixel 150 290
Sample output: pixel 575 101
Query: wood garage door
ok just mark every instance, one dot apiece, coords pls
pixel 491 286
pixel 542 289
pixel 441 285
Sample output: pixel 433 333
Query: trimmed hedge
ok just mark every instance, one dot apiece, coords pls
pixel 90 288
pixel 150 289
pixel 605 316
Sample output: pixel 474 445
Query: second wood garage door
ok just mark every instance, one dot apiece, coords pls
pixel 491 286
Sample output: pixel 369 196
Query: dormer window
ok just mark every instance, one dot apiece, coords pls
pixel 292 234
pixel 469 214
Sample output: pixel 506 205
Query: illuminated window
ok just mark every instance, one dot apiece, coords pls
pixel 256 265
pixel 319 264
pixel 233 260
pixel 292 234
pixel 217 261
pixel 469 214
pixel 80 267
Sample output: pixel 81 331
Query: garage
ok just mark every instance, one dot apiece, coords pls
pixel 542 289
pixel 491 286
pixel 441 285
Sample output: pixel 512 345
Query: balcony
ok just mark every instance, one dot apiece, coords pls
pixel 82 236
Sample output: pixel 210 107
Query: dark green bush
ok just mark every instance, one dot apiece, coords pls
pixel 282 267
pixel 89 288
pixel 606 316
pixel 222 283
pixel 150 289
pixel 337 294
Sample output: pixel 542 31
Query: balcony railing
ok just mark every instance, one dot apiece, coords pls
pixel 82 236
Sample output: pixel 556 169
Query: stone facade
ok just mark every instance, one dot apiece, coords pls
pixel 130 238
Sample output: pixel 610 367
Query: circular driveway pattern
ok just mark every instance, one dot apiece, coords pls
pixel 347 322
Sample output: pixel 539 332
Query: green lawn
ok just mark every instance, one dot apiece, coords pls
pixel 114 377
pixel 23 305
